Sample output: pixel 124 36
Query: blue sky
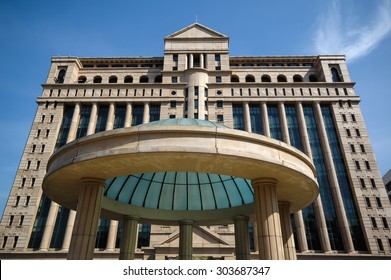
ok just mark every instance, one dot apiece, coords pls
pixel 31 32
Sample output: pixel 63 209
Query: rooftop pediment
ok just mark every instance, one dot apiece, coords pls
pixel 196 30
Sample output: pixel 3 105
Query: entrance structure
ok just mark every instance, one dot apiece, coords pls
pixel 185 148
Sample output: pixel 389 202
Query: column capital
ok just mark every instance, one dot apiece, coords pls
pixel 132 218
pixel 264 180
pixel 186 222
pixel 241 218
pixel 92 180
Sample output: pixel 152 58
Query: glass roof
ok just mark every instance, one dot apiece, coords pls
pixel 180 190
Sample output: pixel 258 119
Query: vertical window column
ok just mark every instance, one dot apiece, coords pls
pixel 313 215
pixel 283 122
pixel 93 118
pixel 110 117
pixel 128 116
pixel 146 113
pixel 334 184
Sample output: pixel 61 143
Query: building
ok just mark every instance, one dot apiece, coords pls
pixel 387 183
pixel 189 132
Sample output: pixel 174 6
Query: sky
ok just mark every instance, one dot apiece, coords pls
pixel 31 32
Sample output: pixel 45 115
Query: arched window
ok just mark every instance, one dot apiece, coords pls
pixel 297 79
pixel 234 79
pixel 144 79
pixel 281 79
pixel 335 75
pixel 97 79
pixel 158 79
pixel 113 80
pixel 82 79
pixel 60 76
pixel 250 79
pixel 313 78
pixel 266 79
pixel 128 80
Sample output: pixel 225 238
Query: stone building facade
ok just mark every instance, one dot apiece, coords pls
pixel 308 102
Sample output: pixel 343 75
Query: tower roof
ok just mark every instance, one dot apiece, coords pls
pixel 196 30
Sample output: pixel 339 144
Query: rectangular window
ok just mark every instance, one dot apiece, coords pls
pixel 378 202
pixel 362 147
pixel 172 116
pixel 344 117
pixel 38 133
pixel 380 244
pixel 11 220
pixel 85 113
pixel 385 223
pixel 358 167
pixel 51 118
pixel 137 114
pixel 368 202
pixel 38 164
pixel 358 132
pixel 237 110
pixel 154 113
pixel 17 200
pixel 352 148
pixel 218 68
pixel 348 133
pixel 256 119
pixel 206 105
pixel 174 80
pixel 47 133
pixel 274 122
pixel 43 148
pixel 219 104
pixel 65 126
pixel 33 148
pixel 367 165
pixel 21 220
pixel 196 91
pixel 174 68
pixel 15 241
pixel 5 239
pixel 27 200
pixel 175 57
pixel 217 57
pixel 362 181
pixel 28 164
pixel 101 121
pixel 220 118
pixel 195 103
pixel 43 118
pixel 353 118
pixel 172 104
pixel 218 79
pixel 293 126
pixel 373 221
pixel 373 183
pixel 23 181
pixel 196 115
pixel 32 182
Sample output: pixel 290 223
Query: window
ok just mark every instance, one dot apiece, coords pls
pixel 47 133
pixel 172 116
pixel 174 80
pixel 219 104
pixel 385 223
pixel 113 80
pixel 4 242
pixel 11 220
pixel 175 57
pixel 368 202
pixel 217 57
pixel 28 164
pixel 15 241
pixel 43 118
pixel 172 104
pixel 281 79
pixel 21 220
pixel 362 147
pixel 234 79
pixel 27 200
pixel 266 79
pixel 97 80
pixel 38 164
pixel 43 148
pixel 175 68
pixel 344 118
pixel 206 92
pixel 158 79
pixel 60 76
pixel 23 182
pixel 32 182
pixel 362 181
pixel 373 221
pixel 353 118
pixel 250 79
pixel 144 79
pixel 348 133
pixel 373 183
pixel 220 118
pixel 173 92
pixel 218 68
pixel 367 165
pixel 358 165
pixel 335 75
pixel 380 244
pixel 82 79
pixel 17 200
pixel 51 118
pixel 195 103
pixel 33 148
pixel 313 78
pixel 128 80
pixel 218 79
pixel 378 202
pixel 353 149
pixel 196 91
pixel 358 132
pixel 297 79
pixel 219 92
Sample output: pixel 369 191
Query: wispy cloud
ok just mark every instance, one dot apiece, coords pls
pixel 336 35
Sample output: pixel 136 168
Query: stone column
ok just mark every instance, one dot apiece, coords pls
pixel 185 240
pixel 318 206
pixel 191 61
pixel 110 117
pixel 87 218
pixel 286 227
pixel 129 238
pixel 268 219
pixel 112 235
pixel 255 229
pixel 300 232
pixel 93 118
pixel 284 124
pixel 68 232
pixel 128 115
pixel 334 184
pixel 247 119
pixel 265 120
pixel 186 62
pixel 201 60
pixel 146 113
pixel 49 227
pixel 242 242
pixel 52 215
